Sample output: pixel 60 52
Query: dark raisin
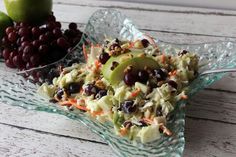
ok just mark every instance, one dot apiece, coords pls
pixel 181 53
pixel 145 43
pixel 128 107
pixel 103 58
pixel 143 76
pixel 130 78
pixel 160 130
pixel 114 46
pixel 52 74
pixel 173 84
pixel 117 40
pixel 143 123
pixel 114 65
pixel 53 101
pixel 70 108
pixel 74 88
pixel 101 94
pixel 159 74
pixel 152 84
pixel 127 124
pixel 90 89
pixel 60 93
pixel 159 111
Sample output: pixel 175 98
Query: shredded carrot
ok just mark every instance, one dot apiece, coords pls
pixel 163 58
pixel 81 107
pixel 82 101
pixel 96 113
pixel 65 103
pixel 85 53
pixel 131 45
pixel 72 101
pixel 135 93
pixel 147 120
pixel 97 64
pixel 165 130
pixel 173 73
pixel 184 97
pixel 123 131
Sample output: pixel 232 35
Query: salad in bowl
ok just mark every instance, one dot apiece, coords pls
pixel 133 85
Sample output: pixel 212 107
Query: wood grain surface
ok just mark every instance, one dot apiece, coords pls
pixel 211 114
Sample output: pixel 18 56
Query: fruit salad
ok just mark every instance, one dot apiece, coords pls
pixel 133 85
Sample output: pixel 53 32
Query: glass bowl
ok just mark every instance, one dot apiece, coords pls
pixel 111 23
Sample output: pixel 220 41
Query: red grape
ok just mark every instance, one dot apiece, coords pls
pixel 70 33
pixel 61 42
pixel 43 49
pixel 17 61
pixel 57 32
pixel 9 63
pixel 58 24
pixel 49 35
pixel 28 49
pixel 20 49
pixel 12 54
pixel 22 39
pixel 76 40
pixel 73 26
pixel 50 25
pixel 23 24
pixel 9 30
pixel 35 60
pixel 28 65
pixel 5 41
pixel 43 30
pixel 12 37
pixel 79 33
pixel 24 32
pixel 36 31
pixel 25 43
pixel 26 46
pixel 6 53
pixel 43 38
pixel 36 43
pixel 51 18
pixel 26 56
pixel 53 44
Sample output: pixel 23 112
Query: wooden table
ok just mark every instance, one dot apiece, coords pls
pixel 211 115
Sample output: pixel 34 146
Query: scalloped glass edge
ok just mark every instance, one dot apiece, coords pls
pixel 112 23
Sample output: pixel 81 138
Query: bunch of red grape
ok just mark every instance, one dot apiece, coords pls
pixel 26 46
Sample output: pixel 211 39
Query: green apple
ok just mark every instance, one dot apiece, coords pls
pixel 5 21
pixel 31 11
pixel 133 58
